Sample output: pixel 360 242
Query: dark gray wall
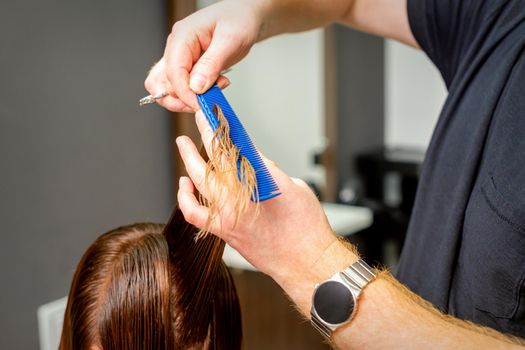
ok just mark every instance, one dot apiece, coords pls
pixel 360 96
pixel 78 156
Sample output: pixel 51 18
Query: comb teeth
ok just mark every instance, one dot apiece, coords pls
pixel 266 186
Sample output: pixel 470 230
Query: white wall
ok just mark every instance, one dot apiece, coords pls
pixel 414 95
pixel 278 93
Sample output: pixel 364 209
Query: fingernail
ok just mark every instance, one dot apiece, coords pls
pixel 179 141
pixel 199 115
pixel 197 82
pixel 225 84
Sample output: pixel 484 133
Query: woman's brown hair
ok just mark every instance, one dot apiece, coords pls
pixel 149 286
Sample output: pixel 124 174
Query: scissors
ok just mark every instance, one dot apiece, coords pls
pixel 146 100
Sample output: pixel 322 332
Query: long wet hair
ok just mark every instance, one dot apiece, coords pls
pixel 150 286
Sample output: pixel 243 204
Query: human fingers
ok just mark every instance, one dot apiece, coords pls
pixel 207 41
pixel 194 213
pixel 193 162
pixel 182 49
pixel 176 77
pixel 174 104
pixel 171 102
pixel 223 82
pixel 206 70
pixel 205 130
pixel 197 214
pixel 156 84
pixel 205 182
pixel 214 147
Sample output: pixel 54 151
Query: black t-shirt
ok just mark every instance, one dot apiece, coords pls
pixel 465 247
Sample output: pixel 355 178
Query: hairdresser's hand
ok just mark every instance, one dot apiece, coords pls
pixel 288 237
pixel 199 47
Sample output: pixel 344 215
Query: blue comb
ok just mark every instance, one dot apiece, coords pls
pixel 266 186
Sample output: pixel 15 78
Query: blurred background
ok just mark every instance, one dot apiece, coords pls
pixel 350 113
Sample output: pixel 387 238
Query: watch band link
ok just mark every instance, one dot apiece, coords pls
pixel 321 327
pixel 358 274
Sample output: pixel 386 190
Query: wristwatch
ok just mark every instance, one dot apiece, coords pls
pixel 334 301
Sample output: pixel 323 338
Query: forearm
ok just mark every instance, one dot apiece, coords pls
pixel 287 16
pixel 389 316
pixel 386 18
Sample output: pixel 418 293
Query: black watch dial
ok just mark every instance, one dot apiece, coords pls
pixel 333 302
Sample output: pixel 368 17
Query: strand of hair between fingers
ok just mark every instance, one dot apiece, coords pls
pixel 228 175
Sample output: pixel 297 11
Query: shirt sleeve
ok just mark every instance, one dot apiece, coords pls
pixel 445 28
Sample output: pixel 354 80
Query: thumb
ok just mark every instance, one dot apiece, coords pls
pixel 207 69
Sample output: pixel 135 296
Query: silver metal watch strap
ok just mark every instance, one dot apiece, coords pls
pixel 321 327
pixel 356 276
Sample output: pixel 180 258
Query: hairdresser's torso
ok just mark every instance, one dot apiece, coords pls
pixel 465 249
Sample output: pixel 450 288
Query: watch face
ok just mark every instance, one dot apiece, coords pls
pixel 333 302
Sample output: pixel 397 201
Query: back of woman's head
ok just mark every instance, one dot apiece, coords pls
pixel 146 286
pixel 120 294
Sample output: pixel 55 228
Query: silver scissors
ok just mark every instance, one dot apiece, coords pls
pixel 146 100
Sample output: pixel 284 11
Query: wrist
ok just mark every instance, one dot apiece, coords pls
pixel 336 257
pixel 299 282
pixel 264 10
